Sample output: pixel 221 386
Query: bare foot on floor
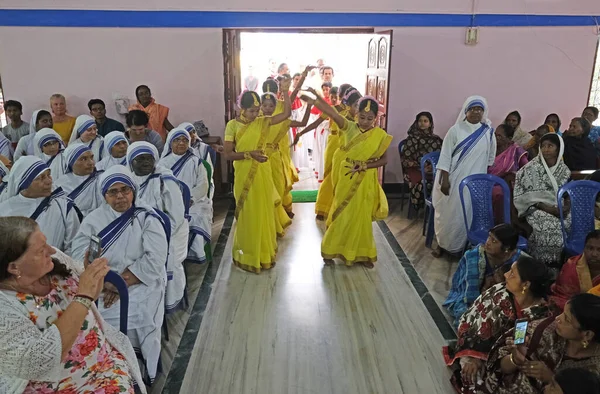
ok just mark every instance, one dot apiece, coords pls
pixel 368 264
pixel 320 217
pixel 328 262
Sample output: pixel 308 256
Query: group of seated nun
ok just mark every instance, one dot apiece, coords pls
pixel 132 198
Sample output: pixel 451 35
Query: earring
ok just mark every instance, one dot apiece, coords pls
pixel 585 344
pixel 524 290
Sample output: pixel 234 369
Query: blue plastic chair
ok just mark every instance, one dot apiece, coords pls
pixel 115 279
pixel 428 219
pixel 482 219
pixel 583 196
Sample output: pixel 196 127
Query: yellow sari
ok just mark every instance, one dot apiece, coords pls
pixel 278 169
pixel 357 201
pixel 325 194
pixel 255 237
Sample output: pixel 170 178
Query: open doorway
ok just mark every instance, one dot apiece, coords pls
pixel 359 58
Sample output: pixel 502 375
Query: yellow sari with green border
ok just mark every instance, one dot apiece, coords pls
pixel 357 201
pixel 278 169
pixel 325 194
pixel 255 236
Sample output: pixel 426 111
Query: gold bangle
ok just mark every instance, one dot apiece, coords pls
pixel 513 361
pixel 247 156
pixel 83 301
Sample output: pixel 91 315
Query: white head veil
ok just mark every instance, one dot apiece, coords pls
pixel 112 139
pixel 561 150
pixel 175 133
pixel 475 101
pixel 82 123
pixel 41 138
pixel 22 173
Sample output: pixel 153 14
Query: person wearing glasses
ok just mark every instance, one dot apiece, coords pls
pixel 134 241
pixel 468 148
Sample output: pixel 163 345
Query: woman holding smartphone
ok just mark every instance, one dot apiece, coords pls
pixel 523 296
pixel 571 340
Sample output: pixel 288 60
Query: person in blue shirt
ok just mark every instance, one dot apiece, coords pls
pixel 105 125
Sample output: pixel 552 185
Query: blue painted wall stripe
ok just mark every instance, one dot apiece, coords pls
pixel 218 19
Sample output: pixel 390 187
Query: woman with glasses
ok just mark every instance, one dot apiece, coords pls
pixel 522 296
pixel 134 240
pixel 191 170
pixel 468 148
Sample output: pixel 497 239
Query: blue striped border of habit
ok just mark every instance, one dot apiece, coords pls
pixel 233 19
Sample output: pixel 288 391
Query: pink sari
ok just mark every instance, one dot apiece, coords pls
pixel 506 163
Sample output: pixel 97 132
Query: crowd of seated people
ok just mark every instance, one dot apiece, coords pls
pixel 65 181
pixel 497 284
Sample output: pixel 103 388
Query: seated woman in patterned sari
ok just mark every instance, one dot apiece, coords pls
pixel 510 158
pixel 255 234
pixel 420 141
pixel 571 340
pixel 358 198
pixel 536 187
pixel 135 241
pixel 193 171
pixel 493 313
pixel 579 274
pixel 481 268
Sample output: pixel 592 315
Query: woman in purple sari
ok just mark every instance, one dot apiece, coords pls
pixel 510 157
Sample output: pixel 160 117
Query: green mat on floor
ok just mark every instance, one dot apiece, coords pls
pixel 304 195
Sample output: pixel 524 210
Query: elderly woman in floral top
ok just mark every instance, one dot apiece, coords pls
pixel 52 338
pixel 420 141
pixel 492 314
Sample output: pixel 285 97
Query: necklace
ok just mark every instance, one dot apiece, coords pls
pixel 38 300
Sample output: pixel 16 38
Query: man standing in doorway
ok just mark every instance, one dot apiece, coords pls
pixel 105 125
pixel 17 128
pixel 327 74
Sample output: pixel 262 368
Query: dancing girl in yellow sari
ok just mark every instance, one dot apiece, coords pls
pixel 358 198
pixel 278 152
pixel 325 194
pixel 255 236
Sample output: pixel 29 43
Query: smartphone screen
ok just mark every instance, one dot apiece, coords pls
pixel 94 249
pixel 520 331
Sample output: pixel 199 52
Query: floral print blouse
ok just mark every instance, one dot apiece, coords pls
pixel 92 366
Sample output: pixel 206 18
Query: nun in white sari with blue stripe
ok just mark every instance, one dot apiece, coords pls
pixel 190 169
pixel 134 241
pixel 159 189
pixel 29 192
pixel 80 180
pixel 4 171
pixel 199 148
pixel 468 148
pixel 85 131
pixel 48 146
pixel 115 151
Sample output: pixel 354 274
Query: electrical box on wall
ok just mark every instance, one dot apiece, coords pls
pixel 472 37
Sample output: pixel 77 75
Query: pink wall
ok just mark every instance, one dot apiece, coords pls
pixel 183 67
pixel 534 70
pixel 566 7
